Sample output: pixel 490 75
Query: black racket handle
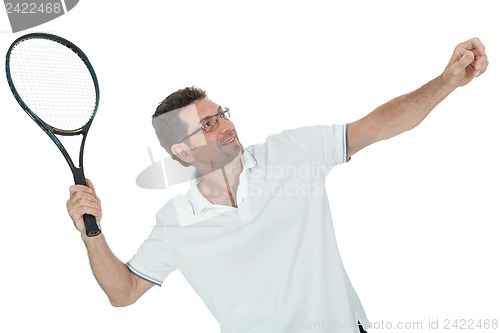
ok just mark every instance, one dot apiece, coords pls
pixel 91 227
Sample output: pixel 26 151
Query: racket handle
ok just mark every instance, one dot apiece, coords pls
pixel 91 227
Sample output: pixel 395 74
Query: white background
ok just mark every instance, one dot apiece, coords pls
pixel 416 217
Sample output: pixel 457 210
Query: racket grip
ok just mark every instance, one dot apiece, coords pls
pixel 91 227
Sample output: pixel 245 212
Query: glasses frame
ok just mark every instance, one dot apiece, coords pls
pixel 224 113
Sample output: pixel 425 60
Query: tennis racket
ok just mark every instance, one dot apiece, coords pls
pixel 54 82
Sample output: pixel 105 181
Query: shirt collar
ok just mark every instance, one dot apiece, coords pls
pixel 198 202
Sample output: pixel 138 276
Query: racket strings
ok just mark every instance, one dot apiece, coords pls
pixel 54 83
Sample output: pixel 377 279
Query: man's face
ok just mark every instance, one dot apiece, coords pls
pixel 216 148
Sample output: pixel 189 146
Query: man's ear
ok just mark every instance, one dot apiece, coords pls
pixel 182 151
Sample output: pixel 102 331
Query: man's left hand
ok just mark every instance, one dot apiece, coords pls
pixel 468 61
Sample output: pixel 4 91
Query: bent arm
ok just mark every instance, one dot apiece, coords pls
pixel 120 285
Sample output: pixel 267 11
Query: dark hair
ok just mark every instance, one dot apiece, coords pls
pixel 179 99
pixel 176 129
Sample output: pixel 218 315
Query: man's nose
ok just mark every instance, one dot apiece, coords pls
pixel 225 124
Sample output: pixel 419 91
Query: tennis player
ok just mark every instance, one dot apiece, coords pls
pixel 254 235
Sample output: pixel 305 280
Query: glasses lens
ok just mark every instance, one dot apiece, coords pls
pixel 211 123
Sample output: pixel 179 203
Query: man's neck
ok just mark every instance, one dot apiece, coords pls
pixel 220 187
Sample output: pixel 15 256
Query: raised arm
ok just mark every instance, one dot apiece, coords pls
pixel 120 285
pixel 403 113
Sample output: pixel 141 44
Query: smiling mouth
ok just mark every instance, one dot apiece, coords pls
pixel 229 141
pixel 229 138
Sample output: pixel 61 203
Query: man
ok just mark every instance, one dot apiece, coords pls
pixel 254 234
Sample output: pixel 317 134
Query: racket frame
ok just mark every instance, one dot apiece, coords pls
pixel 92 229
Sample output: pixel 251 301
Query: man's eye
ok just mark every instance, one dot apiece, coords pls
pixel 209 123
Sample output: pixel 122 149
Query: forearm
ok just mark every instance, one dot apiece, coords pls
pixel 407 111
pixel 111 274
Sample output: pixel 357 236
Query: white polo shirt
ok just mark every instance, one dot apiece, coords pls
pixel 271 265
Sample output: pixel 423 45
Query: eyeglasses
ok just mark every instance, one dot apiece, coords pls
pixel 210 123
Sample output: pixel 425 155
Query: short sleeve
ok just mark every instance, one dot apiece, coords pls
pixel 335 144
pixel 154 259
pixel 321 145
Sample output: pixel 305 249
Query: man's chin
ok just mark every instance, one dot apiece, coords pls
pixel 229 156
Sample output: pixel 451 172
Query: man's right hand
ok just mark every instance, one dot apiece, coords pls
pixel 83 200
